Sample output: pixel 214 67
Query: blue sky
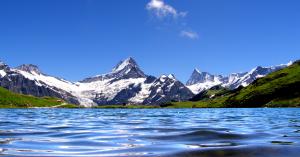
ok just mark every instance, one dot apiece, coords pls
pixel 75 39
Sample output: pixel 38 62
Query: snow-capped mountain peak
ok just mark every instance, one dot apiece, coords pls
pixel 129 62
pixel 196 74
pixel 166 88
pixel 196 70
pixel 126 69
pixel 3 65
pixel 3 69
pixel 30 68
pixel 201 77
pixel 172 76
pixel 164 78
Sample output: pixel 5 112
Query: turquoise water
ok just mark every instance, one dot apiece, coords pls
pixel 150 132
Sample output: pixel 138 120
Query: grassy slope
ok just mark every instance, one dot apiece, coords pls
pixel 13 100
pixel 278 89
pixel 281 88
pixel 211 93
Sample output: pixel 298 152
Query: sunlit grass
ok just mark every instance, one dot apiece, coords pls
pixel 13 100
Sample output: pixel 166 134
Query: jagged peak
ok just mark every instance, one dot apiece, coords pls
pixel 171 76
pixel 196 70
pixel 3 67
pixel 164 77
pixel 125 69
pixel 2 63
pixel 29 68
pixel 125 63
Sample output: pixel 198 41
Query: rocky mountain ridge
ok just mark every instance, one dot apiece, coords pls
pixel 200 81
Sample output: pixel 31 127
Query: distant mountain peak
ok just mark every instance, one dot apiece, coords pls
pixel 164 77
pixel 2 65
pixel 129 62
pixel 199 77
pixel 196 70
pixel 29 68
pixel 125 69
pixel 3 69
pixel 203 80
pixel 171 76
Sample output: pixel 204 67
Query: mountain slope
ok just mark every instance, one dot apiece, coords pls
pixel 275 89
pixel 14 100
pixel 27 79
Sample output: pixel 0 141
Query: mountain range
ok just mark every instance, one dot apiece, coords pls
pixel 125 84
pixel 200 81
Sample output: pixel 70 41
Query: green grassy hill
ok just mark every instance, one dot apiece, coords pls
pixel 12 100
pixel 278 89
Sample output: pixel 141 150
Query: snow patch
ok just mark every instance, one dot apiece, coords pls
pixel 142 95
pixel 2 73
pixel 199 87
pixel 171 76
pixel 107 89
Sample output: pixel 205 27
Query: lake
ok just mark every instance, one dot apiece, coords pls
pixel 260 132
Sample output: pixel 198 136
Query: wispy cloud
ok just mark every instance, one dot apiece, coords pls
pixel 161 9
pixel 164 11
pixel 189 34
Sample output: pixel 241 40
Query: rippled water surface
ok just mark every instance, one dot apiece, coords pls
pixel 150 132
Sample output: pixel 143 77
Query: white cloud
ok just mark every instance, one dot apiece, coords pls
pixel 189 34
pixel 161 9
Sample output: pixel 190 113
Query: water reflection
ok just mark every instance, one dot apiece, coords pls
pixel 155 132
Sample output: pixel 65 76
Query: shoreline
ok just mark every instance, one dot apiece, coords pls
pixel 134 107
